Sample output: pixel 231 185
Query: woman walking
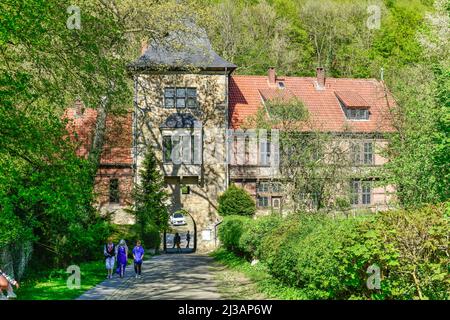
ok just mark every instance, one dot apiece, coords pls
pixel 122 257
pixel 6 284
pixel 138 256
pixel 110 256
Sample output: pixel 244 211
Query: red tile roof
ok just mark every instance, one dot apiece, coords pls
pixel 352 100
pixel 246 94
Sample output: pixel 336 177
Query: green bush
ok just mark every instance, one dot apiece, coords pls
pixel 329 258
pixel 411 249
pixel 231 230
pixel 254 235
pixel 150 235
pixel 236 201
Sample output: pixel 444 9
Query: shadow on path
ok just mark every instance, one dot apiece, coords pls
pixel 167 276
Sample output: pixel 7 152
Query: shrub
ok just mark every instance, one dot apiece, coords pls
pixel 411 249
pixel 254 235
pixel 236 201
pixel 231 230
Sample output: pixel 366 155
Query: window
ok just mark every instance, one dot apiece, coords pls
pixel 354 192
pixel 276 187
pixel 264 153
pixel 180 97
pixel 114 191
pixel 181 149
pixel 169 97
pixel 355 151
pixel 167 148
pixel 368 153
pixel 263 202
pixel 357 114
pixel 191 101
pixel 263 187
pixel 276 203
pixel 361 153
pixel 185 189
pixel 360 192
pixel 366 192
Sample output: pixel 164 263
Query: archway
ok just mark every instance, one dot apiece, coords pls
pixel 182 229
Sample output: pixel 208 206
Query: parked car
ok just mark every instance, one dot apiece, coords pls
pixel 177 219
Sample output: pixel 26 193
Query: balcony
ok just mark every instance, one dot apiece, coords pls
pixel 181 170
pixel 249 171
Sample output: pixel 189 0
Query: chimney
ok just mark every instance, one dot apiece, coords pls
pixel 144 46
pixel 272 76
pixel 78 107
pixel 320 72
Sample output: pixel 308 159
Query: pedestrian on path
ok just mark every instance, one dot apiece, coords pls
pixel 138 256
pixel 6 283
pixel 122 257
pixel 177 241
pixel 110 256
pixel 188 239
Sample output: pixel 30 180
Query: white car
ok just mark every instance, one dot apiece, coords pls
pixel 177 219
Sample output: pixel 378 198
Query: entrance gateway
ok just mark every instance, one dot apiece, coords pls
pixel 180 223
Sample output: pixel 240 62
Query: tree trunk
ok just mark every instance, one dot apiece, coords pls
pixel 98 139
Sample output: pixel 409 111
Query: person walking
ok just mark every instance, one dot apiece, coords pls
pixel 188 239
pixel 138 256
pixel 122 257
pixel 110 256
pixel 6 283
pixel 177 241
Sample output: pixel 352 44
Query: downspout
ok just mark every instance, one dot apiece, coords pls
pixel 227 167
pixel 134 128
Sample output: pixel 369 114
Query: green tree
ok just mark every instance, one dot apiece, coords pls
pixel 236 201
pixel 150 197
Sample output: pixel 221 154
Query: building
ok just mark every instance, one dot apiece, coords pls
pixel 186 101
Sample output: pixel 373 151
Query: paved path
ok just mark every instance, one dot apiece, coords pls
pixel 167 276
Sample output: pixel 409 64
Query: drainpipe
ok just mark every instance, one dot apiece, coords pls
pixel 134 133
pixel 227 167
pixel 215 232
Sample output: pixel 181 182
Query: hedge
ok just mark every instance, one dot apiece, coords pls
pixel 329 258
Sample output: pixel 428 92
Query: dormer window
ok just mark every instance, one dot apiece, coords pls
pixel 353 105
pixel 180 97
pixel 356 114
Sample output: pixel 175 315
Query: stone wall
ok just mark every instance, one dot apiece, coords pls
pixel 205 181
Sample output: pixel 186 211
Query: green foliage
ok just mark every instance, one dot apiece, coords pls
pixel 231 230
pixel 236 201
pixel 327 258
pixel 411 248
pixel 150 209
pixel 251 240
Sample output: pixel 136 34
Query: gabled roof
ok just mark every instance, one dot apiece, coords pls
pixel 352 100
pixel 246 94
pixel 181 50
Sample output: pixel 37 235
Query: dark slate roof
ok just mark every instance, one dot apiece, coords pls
pixel 181 120
pixel 182 50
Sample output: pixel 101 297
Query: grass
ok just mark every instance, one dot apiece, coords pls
pixel 263 284
pixel 52 284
